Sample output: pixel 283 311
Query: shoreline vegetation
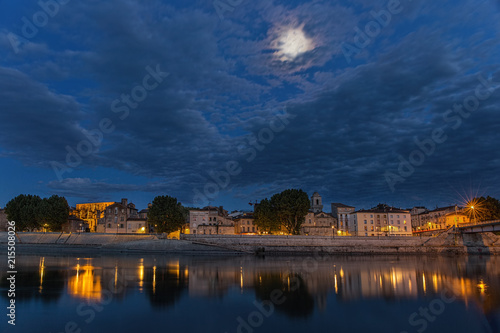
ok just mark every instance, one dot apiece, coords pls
pixel 446 243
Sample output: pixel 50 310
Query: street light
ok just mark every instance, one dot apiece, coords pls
pixel 333 231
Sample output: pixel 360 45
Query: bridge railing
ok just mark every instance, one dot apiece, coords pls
pixel 477 223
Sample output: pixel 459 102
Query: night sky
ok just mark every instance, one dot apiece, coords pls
pixel 102 100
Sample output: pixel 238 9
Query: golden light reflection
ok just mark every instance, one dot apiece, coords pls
pixel 141 274
pixel 85 284
pixel 42 272
pixel 423 280
pixel 154 280
pixel 336 288
pixel 341 273
pixel 482 287
pixel 241 278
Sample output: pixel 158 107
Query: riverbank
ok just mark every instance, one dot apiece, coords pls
pixel 446 243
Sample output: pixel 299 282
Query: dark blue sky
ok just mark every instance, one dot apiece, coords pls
pixel 362 101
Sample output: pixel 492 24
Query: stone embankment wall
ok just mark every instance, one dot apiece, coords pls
pixel 96 242
pixel 447 243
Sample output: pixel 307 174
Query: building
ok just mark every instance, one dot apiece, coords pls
pixel 433 219
pixel 319 224
pixel 456 219
pixel 382 220
pixel 210 221
pixel 244 224
pixel 316 203
pixel 3 220
pixel 91 213
pixel 342 212
pixel 75 224
pixel 122 218
pixel 415 212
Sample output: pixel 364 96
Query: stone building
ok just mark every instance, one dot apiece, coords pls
pixel 456 218
pixel 210 221
pixel 382 220
pixel 432 220
pixel 74 224
pixel 121 218
pixel 244 224
pixel 316 203
pixel 342 212
pixel 319 224
pixel 91 213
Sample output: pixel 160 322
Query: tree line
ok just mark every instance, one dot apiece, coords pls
pixel 34 213
pixel 284 211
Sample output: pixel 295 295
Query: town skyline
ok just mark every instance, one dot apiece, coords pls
pixel 362 102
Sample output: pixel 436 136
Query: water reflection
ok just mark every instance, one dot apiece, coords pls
pixel 307 285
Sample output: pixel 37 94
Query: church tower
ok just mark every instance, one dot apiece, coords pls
pixel 316 204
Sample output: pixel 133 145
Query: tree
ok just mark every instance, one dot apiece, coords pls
pixel 166 214
pixel 291 207
pixel 485 209
pixel 265 217
pixel 53 212
pixel 24 210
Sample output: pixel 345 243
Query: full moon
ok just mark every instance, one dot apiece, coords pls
pixel 292 43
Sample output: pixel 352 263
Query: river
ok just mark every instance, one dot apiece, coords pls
pixel 171 293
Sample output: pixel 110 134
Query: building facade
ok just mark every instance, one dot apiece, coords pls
pixel 316 203
pixel 244 225
pixel 210 221
pixel 122 218
pixel 342 213
pixel 433 219
pixel 91 213
pixel 319 224
pixel 381 221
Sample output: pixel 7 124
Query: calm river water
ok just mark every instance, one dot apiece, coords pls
pixel 156 293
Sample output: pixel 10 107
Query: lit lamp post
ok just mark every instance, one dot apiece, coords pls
pixel 473 214
pixel 333 231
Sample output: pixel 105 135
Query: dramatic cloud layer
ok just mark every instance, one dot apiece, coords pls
pixel 357 100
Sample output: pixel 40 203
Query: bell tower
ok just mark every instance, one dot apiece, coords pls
pixel 316 204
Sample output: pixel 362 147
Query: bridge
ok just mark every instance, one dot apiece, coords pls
pixel 486 226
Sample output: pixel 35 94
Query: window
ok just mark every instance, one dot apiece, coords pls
pixel 372 228
pixel 405 228
pixel 109 225
pixel 371 216
pixel 365 221
pixel 121 225
pixel 392 221
pixel 116 219
pixel 366 234
pixel 248 222
pixel 399 222
pixel 366 228
pixel 253 229
pixel 122 219
pixel 116 210
pixel 371 221
pixel 397 216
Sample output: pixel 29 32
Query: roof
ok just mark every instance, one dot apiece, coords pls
pixel 338 204
pixel 144 210
pixel 382 211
